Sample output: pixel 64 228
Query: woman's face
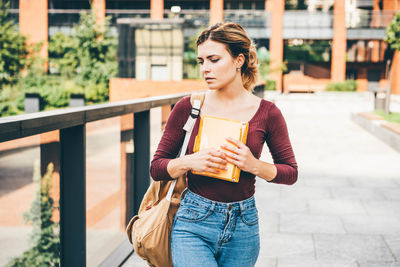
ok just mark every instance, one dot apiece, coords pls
pixel 217 66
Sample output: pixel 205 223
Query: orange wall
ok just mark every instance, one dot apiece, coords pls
pixel 268 5
pixel 128 88
pixel 33 22
pixel 362 80
pixel 391 4
pixel 276 41
pixel 338 69
pixel 395 70
pixel 156 9
pixel 216 11
pixel 100 8
pixel 303 83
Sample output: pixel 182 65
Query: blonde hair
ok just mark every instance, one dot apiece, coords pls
pixel 237 42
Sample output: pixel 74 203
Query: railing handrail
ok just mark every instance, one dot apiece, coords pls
pixel 15 127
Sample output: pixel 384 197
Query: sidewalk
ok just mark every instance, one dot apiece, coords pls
pixel 345 208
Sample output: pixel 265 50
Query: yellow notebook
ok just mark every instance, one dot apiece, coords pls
pixel 212 133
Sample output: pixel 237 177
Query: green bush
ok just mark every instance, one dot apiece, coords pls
pixel 63 59
pixel 95 50
pixel 94 93
pixel 270 85
pixel 13 51
pixel 393 33
pixel 80 63
pixel 264 60
pixel 346 86
pixel 11 101
pixel 45 240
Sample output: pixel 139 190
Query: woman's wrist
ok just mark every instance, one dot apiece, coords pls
pixel 264 170
pixel 178 166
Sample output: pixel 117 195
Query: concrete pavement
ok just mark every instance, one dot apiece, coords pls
pixel 345 208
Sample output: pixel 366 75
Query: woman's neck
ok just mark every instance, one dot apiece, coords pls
pixel 230 93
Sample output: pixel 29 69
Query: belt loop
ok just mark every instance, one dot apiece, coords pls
pixel 241 206
pixel 183 193
pixel 212 206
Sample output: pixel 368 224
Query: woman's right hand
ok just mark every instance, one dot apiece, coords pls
pixel 207 160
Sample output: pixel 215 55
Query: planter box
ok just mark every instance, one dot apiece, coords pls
pixel 77 100
pixel 32 102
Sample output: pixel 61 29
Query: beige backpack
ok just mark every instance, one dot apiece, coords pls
pixel 150 230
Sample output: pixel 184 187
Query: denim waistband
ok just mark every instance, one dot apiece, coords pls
pixel 190 197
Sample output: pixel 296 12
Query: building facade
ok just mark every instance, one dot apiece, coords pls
pixel 347 34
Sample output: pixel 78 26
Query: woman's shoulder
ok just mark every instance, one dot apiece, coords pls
pixel 267 105
pixel 183 105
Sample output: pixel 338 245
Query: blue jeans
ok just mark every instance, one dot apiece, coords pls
pixel 210 233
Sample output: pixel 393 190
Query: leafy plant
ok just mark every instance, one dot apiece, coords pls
pixel 45 250
pixel 346 86
pixel 314 51
pixel 393 33
pixel 95 51
pixel 190 66
pixel 270 85
pixel 13 51
pixel 63 59
pixel 11 101
pixel 264 60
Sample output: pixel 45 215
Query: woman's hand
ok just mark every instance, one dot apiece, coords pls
pixel 207 160
pixel 240 155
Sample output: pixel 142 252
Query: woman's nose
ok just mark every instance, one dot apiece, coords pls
pixel 205 68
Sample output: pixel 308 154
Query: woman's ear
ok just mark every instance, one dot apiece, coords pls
pixel 239 61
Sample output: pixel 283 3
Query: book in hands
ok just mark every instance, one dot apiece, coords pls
pixel 213 132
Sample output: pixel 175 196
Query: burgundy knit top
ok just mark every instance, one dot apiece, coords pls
pixel 267 125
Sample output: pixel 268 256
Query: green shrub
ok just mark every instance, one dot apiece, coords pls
pixel 95 93
pixel 270 85
pixel 45 240
pixel 393 33
pixel 63 59
pixel 264 60
pixel 95 50
pixel 346 86
pixel 11 101
pixel 13 51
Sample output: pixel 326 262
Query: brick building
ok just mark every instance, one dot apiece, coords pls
pixel 348 34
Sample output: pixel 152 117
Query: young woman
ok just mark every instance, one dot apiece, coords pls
pixel 217 222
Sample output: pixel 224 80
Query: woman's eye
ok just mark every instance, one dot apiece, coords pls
pixel 214 60
pixel 200 62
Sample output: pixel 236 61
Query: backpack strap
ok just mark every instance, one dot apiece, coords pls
pixel 197 102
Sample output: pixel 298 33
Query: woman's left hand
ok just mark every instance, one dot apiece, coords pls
pixel 239 154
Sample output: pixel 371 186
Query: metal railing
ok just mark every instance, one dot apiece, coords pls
pixel 307 19
pixel 71 123
pixel 360 18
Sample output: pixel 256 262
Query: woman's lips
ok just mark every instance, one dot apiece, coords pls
pixel 210 79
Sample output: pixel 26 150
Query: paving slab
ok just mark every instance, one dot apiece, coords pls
pixel 358 193
pixel 270 221
pixel 317 263
pixel 393 241
pixel 310 223
pixel 382 207
pixel 306 192
pixel 390 193
pixel 352 247
pixel 378 264
pixel 336 206
pixel 371 225
pixel 282 245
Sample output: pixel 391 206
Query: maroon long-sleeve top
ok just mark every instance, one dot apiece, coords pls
pixel 267 125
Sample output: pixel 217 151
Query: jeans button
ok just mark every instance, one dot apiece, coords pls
pixel 229 207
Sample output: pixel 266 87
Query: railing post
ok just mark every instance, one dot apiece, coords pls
pixel 73 196
pixel 141 139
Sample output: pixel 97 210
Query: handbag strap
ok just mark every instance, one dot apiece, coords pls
pixel 189 125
